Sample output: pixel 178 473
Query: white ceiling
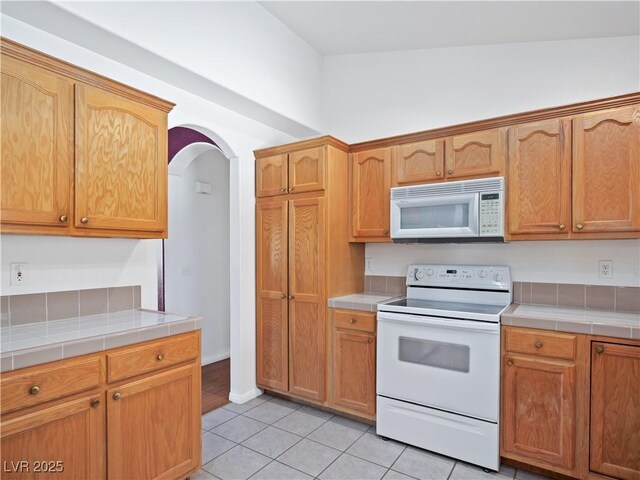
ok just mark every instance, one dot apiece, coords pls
pixel 344 27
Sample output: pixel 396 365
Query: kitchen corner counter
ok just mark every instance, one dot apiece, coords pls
pixel 577 320
pixel 32 344
pixel 367 302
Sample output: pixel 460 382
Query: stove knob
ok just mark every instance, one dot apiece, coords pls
pixel 482 273
pixel 497 277
pixel 429 272
pixel 419 274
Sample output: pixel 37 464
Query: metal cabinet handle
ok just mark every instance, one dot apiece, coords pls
pixel 95 403
pixel 160 357
pixel 34 390
pixel 510 363
pixel 117 396
pixel 63 218
pixel 352 321
pixel 538 344
pixel 449 172
pixel 370 340
pixel 291 189
pixel 386 232
pixel 599 349
pixel 283 296
pixel 291 297
pixel 438 173
pixel 579 226
pixel 84 220
pixel 562 226
pixel 283 189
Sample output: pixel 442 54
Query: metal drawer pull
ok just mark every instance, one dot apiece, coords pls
pixel 63 218
pixel 160 357
pixel 34 390
pixel 117 396
pixel 352 321
pixel 510 363
pixel 599 349
pixel 95 403
pixel 538 344
pixel 84 220
pixel 370 340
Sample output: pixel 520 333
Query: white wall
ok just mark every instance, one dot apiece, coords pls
pixel 238 45
pixel 553 261
pixel 368 96
pixel 197 251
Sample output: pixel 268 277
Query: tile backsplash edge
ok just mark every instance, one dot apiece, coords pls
pixel 49 306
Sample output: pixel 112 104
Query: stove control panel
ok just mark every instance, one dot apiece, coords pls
pixel 491 277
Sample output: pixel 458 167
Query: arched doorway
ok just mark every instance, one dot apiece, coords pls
pixel 195 264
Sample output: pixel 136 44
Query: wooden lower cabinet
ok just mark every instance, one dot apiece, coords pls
pixel 353 362
pixel 571 403
pixel 615 410
pixel 65 441
pixel 538 402
pixel 146 426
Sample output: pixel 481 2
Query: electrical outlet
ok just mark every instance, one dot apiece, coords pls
pixel 367 264
pixel 605 269
pixel 18 274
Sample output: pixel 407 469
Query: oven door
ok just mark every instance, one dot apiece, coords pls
pixel 452 365
pixel 435 217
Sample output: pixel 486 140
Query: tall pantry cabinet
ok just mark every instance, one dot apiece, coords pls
pixel 303 257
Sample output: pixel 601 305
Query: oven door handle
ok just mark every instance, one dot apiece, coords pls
pixel 451 324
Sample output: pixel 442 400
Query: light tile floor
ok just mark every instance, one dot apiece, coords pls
pixel 274 439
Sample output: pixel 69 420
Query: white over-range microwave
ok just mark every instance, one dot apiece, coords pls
pixel 456 212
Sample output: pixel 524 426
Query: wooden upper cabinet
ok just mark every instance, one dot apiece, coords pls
pixel 538 409
pixel 71 433
pixel 475 154
pixel 307 170
pixel 539 177
pixel 37 141
pixel 307 301
pixel 121 163
pixel 419 162
pixel 271 175
pixel 141 446
pixel 606 171
pixel 615 410
pixel 370 194
pixel 272 289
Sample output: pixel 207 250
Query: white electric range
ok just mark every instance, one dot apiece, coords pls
pixel 438 361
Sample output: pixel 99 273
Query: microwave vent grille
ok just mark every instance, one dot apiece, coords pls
pixel 451 188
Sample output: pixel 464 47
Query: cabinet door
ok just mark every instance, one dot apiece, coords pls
pixel 307 170
pixel 476 154
pixel 153 426
pixel 121 163
pixel 539 196
pixel 371 184
pixel 37 136
pixel 307 302
pixel 419 162
pixel 354 371
pixel 538 404
pixel 606 171
pixel 272 327
pixel 271 176
pixel 615 410
pixel 71 433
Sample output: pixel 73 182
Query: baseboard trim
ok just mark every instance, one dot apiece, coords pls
pixel 244 397
pixel 215 358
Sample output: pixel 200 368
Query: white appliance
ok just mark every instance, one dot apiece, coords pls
pixel 465 211
pixel 438 361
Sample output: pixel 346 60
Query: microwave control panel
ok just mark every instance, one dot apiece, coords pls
pixel 491 215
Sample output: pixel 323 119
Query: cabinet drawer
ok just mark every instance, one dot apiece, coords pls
pixel 48 382
pixel 541 342
pixel 129 362
pixel 352 320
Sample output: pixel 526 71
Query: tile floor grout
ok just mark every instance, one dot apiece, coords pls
pixel 325 421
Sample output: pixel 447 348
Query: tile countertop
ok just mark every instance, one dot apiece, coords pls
pixel 360 301
pixel 576 320
pixel 31 344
